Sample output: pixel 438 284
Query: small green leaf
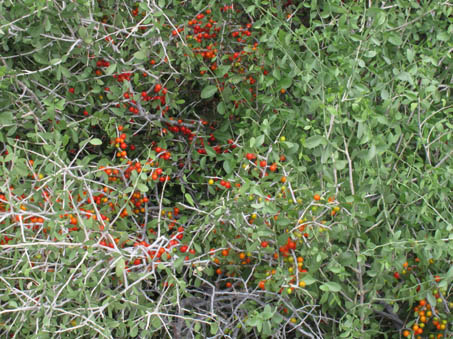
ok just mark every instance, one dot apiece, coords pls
pixel 140 55
pixel 83 32
pixel 259 141
pixel 314 141
pixel 371 153
pixel 120 266
pixel 6 118
pixel 227 166
pixel 214 328
pixel 142 188
pixel 370 54
pixel 221 108
pixel 189 199
pixel 340 164
pixel 208 91
pixel 395 40
pixel 110 69
pixel 308 279
pixel 96 141
pixel 330 287
pixel 209 151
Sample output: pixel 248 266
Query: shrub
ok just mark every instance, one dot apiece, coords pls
pixel 216 169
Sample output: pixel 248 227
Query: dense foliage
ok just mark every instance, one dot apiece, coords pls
pixel 225 169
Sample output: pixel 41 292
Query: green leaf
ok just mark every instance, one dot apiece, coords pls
pixel 119 267
pixel 110 69
pixel 314 141
pixel 209 151
pixel 443 36
pixel 227 166
pixel 370 54
pixel 330 287
pixel 285 83
pixel 259 141
pixel 189 199
pixel 6 118
pixel 410 55
pixel 371 153
pixel 395 40
pixel 96 141
pixel 83 32
pixel 208 91
pixel 214 328
pixel 221 108
pixel 142 188
pixel 340 164
pixel 308 279
pixel 404 76
pixel 140 55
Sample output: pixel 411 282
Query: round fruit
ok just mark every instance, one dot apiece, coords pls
pixel 250 156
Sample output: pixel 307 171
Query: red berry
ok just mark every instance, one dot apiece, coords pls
pixel 264 244
pixel 263 163
pixel 71 90
pixel 250 156
pixel 157 88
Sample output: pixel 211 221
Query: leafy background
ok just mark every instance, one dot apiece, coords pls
pixel 356 97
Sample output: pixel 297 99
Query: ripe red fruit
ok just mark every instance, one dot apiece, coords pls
pixel 71 90
pixel 262 285
pixel 250 156
pixel 137 262
pixel 263 163
pixel 264 244
pixel 396 275
pixel 157 88
pixel 183 248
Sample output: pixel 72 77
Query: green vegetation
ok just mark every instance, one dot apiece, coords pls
pixel 212 169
